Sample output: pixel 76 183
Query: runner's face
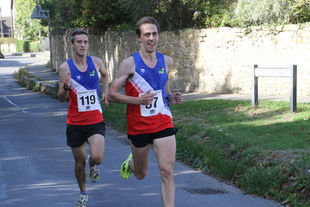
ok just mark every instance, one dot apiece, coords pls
pixel 80 45
pixel 149 37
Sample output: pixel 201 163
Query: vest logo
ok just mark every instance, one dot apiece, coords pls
pixel 161 70
pixel 92 73
pixel 142 70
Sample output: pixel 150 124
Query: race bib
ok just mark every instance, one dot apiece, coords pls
pixel 87 100
pixel 155 107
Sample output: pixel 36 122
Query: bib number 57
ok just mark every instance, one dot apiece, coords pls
pixel 155 107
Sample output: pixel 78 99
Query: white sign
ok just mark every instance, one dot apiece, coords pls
pixel 275 72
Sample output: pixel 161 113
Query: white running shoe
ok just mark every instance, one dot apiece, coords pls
pixel 93 172
pixel 82 201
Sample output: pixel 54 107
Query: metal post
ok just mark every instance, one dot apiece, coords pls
pixel 1 23
pixel 293 94
pixel 254 88
pixel 50 38
pixel 38 13
pixel 12 23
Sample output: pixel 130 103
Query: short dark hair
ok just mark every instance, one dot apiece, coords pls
pixel 78 32
pixel 145 20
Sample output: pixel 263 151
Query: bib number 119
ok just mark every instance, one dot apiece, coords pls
pixel 87 100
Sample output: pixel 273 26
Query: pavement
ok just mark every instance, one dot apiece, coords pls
pixel 220 194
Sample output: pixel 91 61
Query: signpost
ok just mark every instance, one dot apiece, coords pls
pixel 1 22
pixel 38 13
pixel 276 72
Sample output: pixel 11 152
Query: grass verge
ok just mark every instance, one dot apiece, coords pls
pixel 25 79
pixel 263 150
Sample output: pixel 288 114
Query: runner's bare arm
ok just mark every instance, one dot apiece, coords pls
pixel 125 72
pixel 104 78
pixel 64 82
pixel 173 98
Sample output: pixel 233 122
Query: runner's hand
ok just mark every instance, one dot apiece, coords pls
pixel 146 98
pixel 67 80
pixel 104 99
pixel 176 98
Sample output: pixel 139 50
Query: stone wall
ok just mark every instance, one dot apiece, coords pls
pixel 217 60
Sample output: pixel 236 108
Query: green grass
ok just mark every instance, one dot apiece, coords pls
pixel 263 150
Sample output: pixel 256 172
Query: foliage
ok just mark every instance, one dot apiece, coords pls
pixel 61 13
pixel 34 46
pixel 180 14
pixel 84 13
pixel 258 12
pixel 278 12
pixel 120 14
pixel 301 11
pixel 22 45
pixel 171 14
pixel 25 79
pixel 25 27
pixel 213 13
pixel 102 14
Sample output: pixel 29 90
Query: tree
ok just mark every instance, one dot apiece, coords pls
pixel 62 13
pixel 100 14
pixel 277 12
pixel 25 27
pixel 180 14
pixel 170 14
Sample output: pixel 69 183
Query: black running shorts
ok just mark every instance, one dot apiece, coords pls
pixel 145 139
pixel 78 134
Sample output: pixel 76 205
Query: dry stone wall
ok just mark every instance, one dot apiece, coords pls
pixel 216 60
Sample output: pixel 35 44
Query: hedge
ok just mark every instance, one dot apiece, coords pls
pixel 22 45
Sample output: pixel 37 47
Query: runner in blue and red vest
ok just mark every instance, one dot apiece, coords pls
pixel 149 119
pixel 79 84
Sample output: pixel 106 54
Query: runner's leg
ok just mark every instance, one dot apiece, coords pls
pixel 79 155
pixel 165 150
pixel 140 161
pixel 96 149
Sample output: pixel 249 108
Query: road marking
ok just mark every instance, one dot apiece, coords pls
pixel 14 105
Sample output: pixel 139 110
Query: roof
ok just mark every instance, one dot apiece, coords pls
pixel 7 21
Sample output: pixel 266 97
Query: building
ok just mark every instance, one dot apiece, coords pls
pixel 6 29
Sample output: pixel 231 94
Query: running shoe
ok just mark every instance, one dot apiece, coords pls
pixel 93 172
pixel 82 201
pixel 125 168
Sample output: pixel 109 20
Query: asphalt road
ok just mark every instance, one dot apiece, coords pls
pixel 36 166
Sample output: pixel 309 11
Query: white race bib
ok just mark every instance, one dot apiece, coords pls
pixel 155 107
pixel 87 100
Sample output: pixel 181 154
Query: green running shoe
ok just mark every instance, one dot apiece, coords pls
pixel 125 168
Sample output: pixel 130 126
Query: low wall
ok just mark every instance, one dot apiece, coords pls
pixel 8 47
pixel 217 60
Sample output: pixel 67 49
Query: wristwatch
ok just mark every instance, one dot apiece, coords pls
pixel 66 87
